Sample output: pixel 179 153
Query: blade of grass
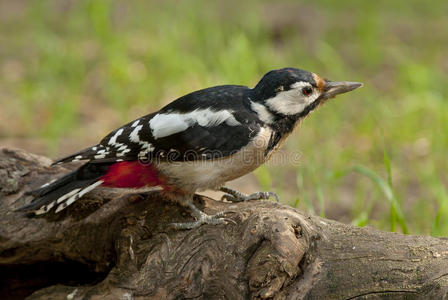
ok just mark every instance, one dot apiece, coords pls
pixel 361 212
pixel 361 220
pixel 386 189
pixel 393 213
pixel 440 224
pixel 296 202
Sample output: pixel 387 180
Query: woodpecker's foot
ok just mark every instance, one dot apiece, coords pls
pixel 201 218
pixel 236 196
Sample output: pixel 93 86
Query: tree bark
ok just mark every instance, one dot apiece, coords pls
pixel 120 245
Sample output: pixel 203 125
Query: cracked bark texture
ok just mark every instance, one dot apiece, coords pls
pixel 119 245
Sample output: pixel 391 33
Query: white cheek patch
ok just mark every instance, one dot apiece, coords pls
pixel 166 124
pixel 292 102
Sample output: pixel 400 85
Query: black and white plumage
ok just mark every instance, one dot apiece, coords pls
pixel 216 121
pixel 199 141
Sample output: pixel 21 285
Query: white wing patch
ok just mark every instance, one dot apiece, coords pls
pixel 124 140
pixel 146 148
pixel 113 139
pixel 133 137
pixel 100 154
pixel 121 148
pixel 68 195
pixel 67 199
pixel 166 124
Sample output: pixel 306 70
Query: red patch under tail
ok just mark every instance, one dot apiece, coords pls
pixel 131 174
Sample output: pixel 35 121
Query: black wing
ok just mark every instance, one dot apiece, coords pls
pixel 207 124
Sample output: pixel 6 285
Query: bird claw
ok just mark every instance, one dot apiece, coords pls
pixel 236 196
pixel 229 198
pixel 207 219
pixel 202 218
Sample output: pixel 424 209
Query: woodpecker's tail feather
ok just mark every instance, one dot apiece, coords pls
pixel 67 189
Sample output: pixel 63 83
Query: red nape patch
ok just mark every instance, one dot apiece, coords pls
pixel 131 174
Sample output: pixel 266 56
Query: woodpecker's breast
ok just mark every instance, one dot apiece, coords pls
pixel 210 174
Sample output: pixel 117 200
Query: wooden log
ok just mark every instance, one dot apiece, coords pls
pixel 120 245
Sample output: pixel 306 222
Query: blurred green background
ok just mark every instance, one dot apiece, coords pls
pixel 71 71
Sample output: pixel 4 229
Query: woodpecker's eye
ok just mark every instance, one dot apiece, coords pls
pixel 307 91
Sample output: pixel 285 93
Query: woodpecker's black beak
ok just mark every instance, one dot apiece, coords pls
pixel 333 88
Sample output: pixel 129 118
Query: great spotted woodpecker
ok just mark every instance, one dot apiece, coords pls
pixel 199 141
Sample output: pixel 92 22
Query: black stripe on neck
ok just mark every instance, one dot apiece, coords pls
pixel 284 125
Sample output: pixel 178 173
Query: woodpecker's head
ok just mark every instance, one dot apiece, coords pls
pixel 294 92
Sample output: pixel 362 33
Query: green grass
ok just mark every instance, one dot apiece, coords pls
pixel 70 71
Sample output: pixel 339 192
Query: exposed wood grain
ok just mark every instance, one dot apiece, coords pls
pixel 114 245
